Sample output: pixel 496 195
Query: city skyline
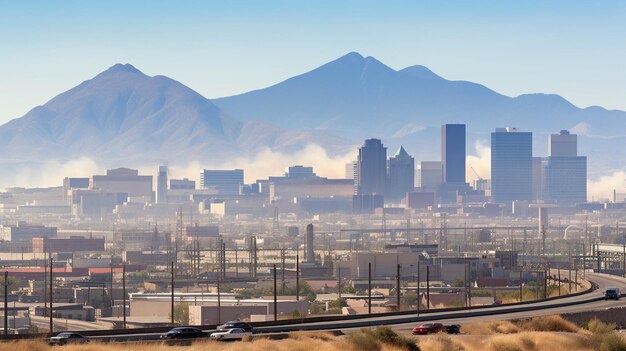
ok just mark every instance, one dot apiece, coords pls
pixel 229 171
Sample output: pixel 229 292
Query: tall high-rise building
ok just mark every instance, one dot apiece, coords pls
pixel 226 182
pixel 352 172
pixel 372 163
pixel 564 173
pixel 453 153
pixel 161 191
pixel 537 179
pixel 511 165
pixel 401 174
pixel 563 144
pixel 429 175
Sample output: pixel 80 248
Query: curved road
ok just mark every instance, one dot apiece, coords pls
pixel 403 323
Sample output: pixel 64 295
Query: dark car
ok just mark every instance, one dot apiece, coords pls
pixel 612 294
pixel 429 328
pixel 68 338
pixel 235 324
pixel 184 333
pixel 453 329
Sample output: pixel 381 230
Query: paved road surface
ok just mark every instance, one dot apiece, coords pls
pixel 585 302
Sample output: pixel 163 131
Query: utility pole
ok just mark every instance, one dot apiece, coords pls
pixel 45 286
pixel 469 286
pixel 219 299
pixel 111 290
pixel 569 277
pixel 124 292
pixel 369 288
pixel 584 262
pixel 521 275
pixel 558 268
pixel 398 286
pixel 297 276
pixel 339 278
pixel 51 322
pixel 172 293
pixel 6 303
pixel 282 259
pixel 275 296
pixel 418 287
pixel 427 286
pixel 545 282
pixel 465 285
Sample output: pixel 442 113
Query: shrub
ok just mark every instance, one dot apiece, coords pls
pixel 549 323
pixel 372 339
pixel 440 342
pixel 612 342
pixel 598 327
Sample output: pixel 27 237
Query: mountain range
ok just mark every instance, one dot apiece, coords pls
pixel 124 117
pixel 358 97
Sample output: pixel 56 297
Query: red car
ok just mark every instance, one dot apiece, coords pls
pixel 429 328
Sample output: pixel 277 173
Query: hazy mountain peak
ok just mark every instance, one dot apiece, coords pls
pixel 354 61
pixel 120 69
pixel 420 71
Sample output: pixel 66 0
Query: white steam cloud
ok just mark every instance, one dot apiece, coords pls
pixel 271 163
pixel 602 188
pixel 47 174
pixel 481 161
pixel 265 163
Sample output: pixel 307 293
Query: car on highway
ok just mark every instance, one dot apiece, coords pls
pixel 433 328
pixel 68 338
pixel 235 324
pixel 230 334
pixel 612 294
pixel 184 333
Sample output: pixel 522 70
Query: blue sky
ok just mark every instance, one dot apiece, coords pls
pixel 573 48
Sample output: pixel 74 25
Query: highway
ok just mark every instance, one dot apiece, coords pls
pixel 403 323
pixel 43 323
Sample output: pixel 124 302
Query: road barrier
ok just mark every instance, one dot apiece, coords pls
pixel 302 323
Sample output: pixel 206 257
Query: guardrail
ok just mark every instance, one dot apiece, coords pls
pixel 300 323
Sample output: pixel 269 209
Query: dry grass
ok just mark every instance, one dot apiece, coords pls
pixel 546 324
pixel 538 334
pixel 549 323
pixel 489 328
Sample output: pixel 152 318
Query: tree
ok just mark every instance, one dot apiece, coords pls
pixel 307 291
pixel 458 282
pixel 13 282
pixel 338 303
pixel 296 314
pixel 315 309
pixel 181 313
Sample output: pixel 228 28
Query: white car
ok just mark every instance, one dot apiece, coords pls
pixel 230 334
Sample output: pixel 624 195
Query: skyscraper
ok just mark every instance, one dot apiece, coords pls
pixel 226 182
pixel 429 175
pixel 372 163
pixel 453 153
pixel 401 174
pixel 563 144
pixel 564 173
pixel 161 191
pixel 511 165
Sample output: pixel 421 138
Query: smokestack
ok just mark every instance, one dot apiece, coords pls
pixel 543 221
pixel 310 253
